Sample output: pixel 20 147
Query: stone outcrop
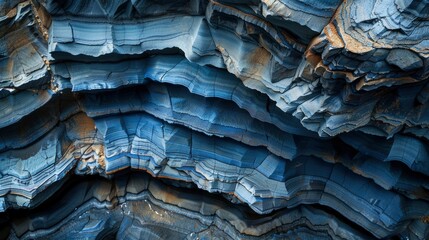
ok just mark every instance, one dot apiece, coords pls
pixel 214 119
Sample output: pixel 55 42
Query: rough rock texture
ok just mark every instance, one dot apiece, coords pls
pixel 211 119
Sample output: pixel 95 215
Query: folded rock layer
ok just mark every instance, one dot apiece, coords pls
pixel 214 119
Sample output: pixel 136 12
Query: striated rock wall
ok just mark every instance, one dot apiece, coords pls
pixel 211 119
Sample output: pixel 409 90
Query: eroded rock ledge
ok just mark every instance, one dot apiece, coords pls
pixel 214 119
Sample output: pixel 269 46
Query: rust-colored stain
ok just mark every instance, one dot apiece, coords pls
pixel 258 59
pixel 333 37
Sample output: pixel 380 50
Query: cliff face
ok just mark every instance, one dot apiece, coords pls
pixel 156 119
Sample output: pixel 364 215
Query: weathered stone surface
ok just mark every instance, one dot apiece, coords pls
pixel 231 119
pixel 404 59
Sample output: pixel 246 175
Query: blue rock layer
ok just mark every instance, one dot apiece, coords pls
pixel 138 206
pixel 214 119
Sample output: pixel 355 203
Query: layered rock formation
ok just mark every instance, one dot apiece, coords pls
pixel 210 119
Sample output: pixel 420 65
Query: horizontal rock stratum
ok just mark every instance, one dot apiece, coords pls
pixel 214 119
